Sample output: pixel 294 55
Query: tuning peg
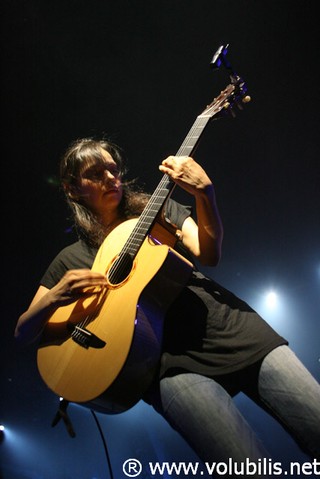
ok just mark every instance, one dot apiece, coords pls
pixel 229 110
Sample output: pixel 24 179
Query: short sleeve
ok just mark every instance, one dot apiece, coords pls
pixel 75 256
pixel 176 213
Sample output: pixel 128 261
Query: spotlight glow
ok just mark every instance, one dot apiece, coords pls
pixel 271 299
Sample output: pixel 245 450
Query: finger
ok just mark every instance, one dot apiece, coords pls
pixel 169 161
pixel 174 175
pixel 89 283
pixel 74 274
pixel 84 291
pixel 84 277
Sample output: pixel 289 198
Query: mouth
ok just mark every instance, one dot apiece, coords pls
pixel 112 190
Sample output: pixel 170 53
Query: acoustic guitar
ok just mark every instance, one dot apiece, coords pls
pixel 103 351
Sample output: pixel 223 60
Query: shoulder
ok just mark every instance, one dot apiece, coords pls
pixel 177 213
pixel 77 252
pixel 74 256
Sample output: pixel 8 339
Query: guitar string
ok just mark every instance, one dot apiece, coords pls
pixel 89 318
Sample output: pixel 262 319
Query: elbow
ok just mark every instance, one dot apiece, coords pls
pixel 19 338
pixel 210 258
pixel 22 337
pixel 17 334
pixel 213 262
pixel 23 343
pixel 20 342
pixel 210 250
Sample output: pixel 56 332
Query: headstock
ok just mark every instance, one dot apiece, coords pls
pixel 234 95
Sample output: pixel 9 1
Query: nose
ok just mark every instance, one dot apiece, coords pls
pixel 110 179
pixel 108 175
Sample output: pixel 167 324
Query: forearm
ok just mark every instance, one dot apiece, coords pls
pixel 73 285
pixel 203 239
pixel 31 323
pixel 210 229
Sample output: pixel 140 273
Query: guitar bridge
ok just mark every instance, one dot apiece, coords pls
pixel 85 338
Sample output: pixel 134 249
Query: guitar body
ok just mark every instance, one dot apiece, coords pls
pixel 111 370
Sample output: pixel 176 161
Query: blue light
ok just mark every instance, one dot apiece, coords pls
pixel 271 300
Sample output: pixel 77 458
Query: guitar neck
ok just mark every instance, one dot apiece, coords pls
pixel 194 134
pixel 164 189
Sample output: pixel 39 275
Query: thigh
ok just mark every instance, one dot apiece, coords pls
pixel 206 416
pixel 288 390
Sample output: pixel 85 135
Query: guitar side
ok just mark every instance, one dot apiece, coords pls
pixel 113 372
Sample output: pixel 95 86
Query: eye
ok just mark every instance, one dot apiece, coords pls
pixel 94 174
pixel 114 170
pixel 97 172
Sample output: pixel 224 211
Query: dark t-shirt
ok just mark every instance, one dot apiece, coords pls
pixel 207 330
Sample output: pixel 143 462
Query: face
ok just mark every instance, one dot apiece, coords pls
pixel 100 187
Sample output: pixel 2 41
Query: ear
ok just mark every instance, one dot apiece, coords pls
pixel 71 192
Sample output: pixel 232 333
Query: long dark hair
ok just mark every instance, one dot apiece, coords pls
pixel 80 155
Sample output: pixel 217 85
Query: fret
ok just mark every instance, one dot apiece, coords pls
pixel 193 136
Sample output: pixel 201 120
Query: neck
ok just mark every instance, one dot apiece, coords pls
pixel 109 222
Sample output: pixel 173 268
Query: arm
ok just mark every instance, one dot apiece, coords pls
pixel 70 288
pixel 204 240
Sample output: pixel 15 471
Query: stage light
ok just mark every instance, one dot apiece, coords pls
pixel 271 300
pixel 271 303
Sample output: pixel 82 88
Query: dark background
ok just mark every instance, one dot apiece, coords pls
pixel 139 71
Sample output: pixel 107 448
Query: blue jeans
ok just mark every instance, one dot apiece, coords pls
pixel 204 413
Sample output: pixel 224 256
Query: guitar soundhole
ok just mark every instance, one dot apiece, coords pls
pixel 120 269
